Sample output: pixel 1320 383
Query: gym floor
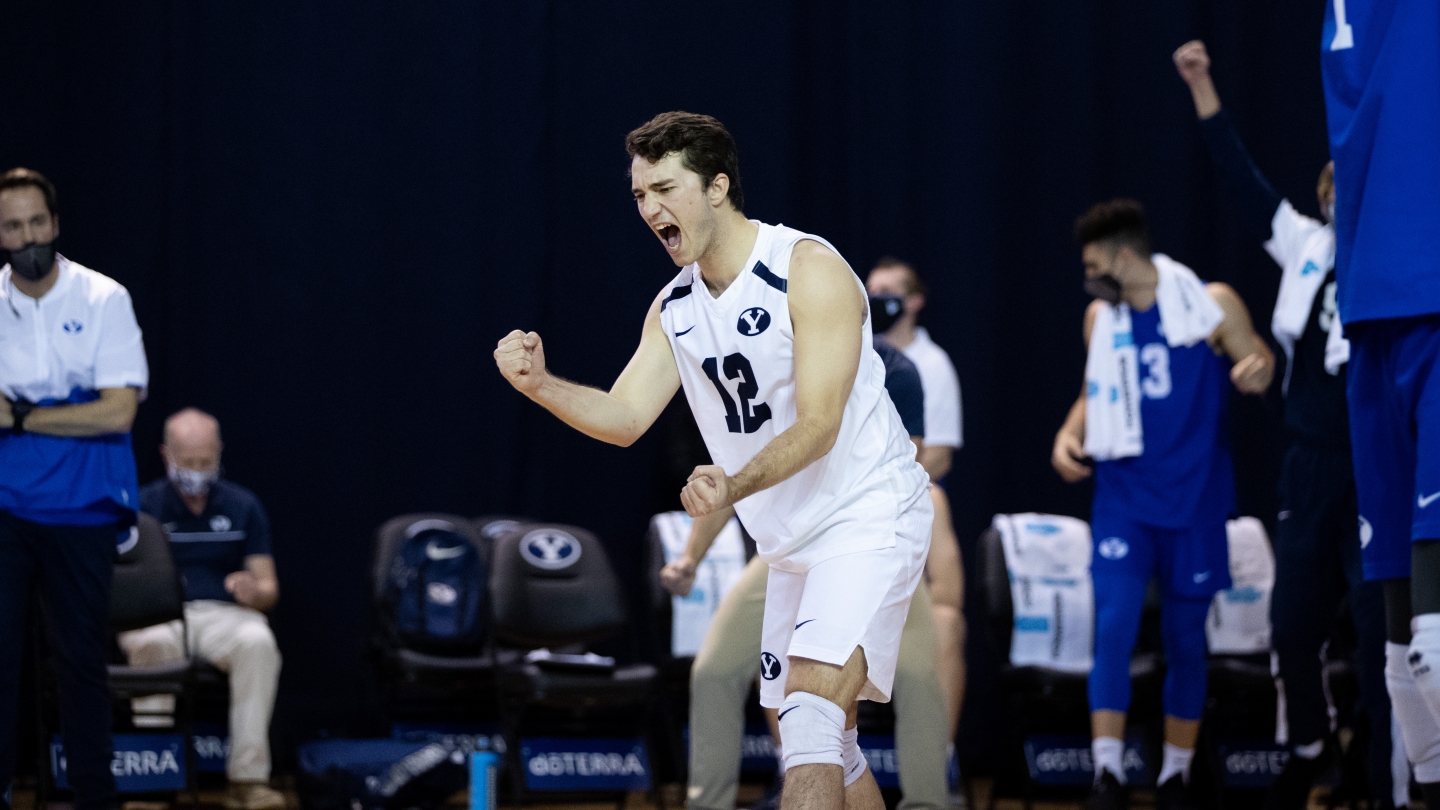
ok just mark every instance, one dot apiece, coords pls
pixel 673 796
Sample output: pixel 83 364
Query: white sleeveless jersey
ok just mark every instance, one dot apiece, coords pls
pixel 736 359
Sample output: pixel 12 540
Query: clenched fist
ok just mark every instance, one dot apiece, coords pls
pixel 521 359
pixel 708 490
pixel 1192 60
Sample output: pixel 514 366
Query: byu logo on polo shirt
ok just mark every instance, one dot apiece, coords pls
pixel 753 321
pixel 550 549
pixel 220 523
pixel 73 326
pixel 1113 548
pixel 769 666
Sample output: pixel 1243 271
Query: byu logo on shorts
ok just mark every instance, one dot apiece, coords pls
pixel 550 549
pixel 753 321
pixel 1367 532
pixel 220 523
pixel 769 666
pixel 441 594
pixel 1113 548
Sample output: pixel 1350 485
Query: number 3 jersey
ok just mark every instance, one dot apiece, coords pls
pixel 1185 475
pixel 736 355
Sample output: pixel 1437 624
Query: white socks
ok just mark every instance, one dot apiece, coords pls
pixel 1177 761
pixel 1417 725
pixel 1108 754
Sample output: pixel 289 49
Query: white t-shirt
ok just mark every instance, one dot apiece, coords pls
pixel 944 418
pixel 81 334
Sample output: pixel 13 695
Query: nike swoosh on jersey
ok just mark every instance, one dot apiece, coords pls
pixel 802 624
pixel 687 331
pixel 1426 500
pixel 781 715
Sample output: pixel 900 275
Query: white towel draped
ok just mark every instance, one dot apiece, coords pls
pixel 1188 315
pixel 1305 250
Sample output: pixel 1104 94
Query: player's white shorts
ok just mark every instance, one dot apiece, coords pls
pixel 857 599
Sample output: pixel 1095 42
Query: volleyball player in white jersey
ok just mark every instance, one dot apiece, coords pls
pixel 767 330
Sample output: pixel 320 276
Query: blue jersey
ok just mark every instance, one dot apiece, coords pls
pixel 1381 65
pixel 1184 476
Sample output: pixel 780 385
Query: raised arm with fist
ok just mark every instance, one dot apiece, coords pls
pixel 1193 62
pixel 521 358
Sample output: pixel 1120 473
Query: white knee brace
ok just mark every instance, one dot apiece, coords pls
pixel 812 731
pixel 854 758
pixel 1417 725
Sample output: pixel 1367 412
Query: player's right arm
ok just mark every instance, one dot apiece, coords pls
pixel 1068 455
pixel 618 416
pixel 678 576
pixel 1254 198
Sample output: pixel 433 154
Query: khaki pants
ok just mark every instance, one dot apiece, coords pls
pixel 729 662
pixel 237 640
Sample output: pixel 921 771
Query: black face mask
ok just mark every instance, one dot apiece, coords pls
pixel 885 310
pixel 32 262
pixel 1106 288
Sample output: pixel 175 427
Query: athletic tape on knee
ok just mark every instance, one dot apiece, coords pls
pixel 812 729
pixel 854 758
pixel 1418 727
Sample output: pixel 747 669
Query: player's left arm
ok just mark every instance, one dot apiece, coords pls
pixel 827 312
pixel 1236 337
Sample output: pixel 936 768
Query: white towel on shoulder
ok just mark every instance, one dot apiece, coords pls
pixel 1188 315
pixel 1305 250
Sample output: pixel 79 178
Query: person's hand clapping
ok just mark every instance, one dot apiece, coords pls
pixel 708 489
pixel 521 359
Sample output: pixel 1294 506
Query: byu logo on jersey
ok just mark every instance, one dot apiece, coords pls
pixel 550 549
pixel 1367 532
pixel 753 321
pixel 73 327
pixel 1113 548
pixel 769 666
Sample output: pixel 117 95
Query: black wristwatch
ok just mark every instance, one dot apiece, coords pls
pixel 19 409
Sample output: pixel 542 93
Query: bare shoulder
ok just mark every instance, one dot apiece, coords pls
pixel 1091 313
pixel 818 273
pixel 1223 294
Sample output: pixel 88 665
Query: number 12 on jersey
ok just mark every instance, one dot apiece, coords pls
pixel 747 418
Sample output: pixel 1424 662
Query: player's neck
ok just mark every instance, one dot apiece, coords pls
pixel 902 334
pixel 724 259
pixel 1139 293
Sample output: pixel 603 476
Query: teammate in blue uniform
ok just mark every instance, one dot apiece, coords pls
pixel 1317 542
pixel 1159 512
pixel 1381 65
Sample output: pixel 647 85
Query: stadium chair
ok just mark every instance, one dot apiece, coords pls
pixel 553 592
pixel 146 590
pixel 1043 702
pixel 430 691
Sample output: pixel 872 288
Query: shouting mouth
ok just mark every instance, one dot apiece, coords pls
pixel 670 235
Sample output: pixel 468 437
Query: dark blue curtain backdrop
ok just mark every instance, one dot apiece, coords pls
pixel 329 212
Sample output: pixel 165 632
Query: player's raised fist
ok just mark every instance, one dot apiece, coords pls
pixel 707 491
pixel 1192 60
pixel 520 357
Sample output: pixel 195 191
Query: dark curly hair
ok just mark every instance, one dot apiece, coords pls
pixel 1120 222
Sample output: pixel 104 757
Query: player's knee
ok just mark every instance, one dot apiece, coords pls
pixel 854 758
pixel 145 648
pixel 813 731
pixel 255 642
pixel 1417 724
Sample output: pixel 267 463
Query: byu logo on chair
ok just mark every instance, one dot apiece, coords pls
pixel 550 549
pixel 753 321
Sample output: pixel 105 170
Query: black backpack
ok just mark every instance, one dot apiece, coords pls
pixel 437 592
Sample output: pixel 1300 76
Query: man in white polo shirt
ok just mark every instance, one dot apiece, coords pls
pixel 72 371
pixel 897 294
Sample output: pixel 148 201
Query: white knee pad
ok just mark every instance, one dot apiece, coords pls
pixel 1417 725
pixel 854 758
pixel 812 730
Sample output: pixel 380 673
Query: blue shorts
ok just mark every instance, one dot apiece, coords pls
pixel 1188 562
pixel 1395 432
